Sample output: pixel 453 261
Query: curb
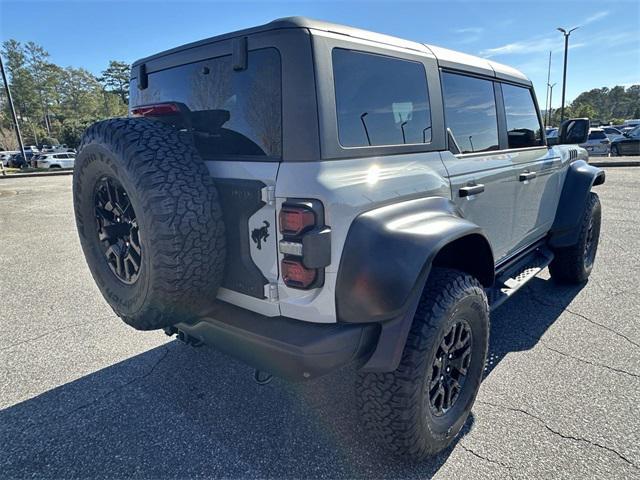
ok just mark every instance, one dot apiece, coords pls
pixel 36 174
pixel 623 163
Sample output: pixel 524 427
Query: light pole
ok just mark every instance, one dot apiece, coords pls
pixel 13 112
pixel 564 72
pixel 550 87
pixel 548 80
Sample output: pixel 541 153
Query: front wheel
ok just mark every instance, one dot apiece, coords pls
pixel 575 263
pixel 418 409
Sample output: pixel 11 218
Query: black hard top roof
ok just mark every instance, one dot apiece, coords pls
pixel 296 22
pixel 446 58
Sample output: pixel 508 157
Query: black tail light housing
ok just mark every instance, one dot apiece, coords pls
pixel 305 244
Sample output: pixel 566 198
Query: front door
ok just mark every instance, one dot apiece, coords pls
pixel 537 169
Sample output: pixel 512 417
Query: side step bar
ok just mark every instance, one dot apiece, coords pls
pixel 517 274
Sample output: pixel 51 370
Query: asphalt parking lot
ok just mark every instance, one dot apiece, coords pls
pixel 83 396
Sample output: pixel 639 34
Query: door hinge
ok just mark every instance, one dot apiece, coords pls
pixel 268 194
pixel 271 292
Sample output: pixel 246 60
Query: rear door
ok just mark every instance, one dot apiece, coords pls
pixel 483 184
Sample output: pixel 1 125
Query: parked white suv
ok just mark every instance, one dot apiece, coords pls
pixel 304 195
pixel 56 160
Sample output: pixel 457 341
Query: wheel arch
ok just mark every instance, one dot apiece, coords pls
pixel 470 254
pixel 388 256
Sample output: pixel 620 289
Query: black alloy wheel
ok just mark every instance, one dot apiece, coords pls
pixel 449 368
pixel 590 245
pixel 117 229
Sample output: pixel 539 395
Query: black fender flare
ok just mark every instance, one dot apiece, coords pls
pixel 580 178
pixel 386 259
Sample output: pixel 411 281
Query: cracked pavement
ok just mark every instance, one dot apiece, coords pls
pixel 84 396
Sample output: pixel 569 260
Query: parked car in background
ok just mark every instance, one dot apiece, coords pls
pixel 17 161
pixel 56 160
pixel 634 122
pixel 5 156
pixel 611 132
pixel 30 151
pixel 597 143
pixel 627 144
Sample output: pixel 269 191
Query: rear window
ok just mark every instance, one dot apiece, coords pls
pixel 597 135
pixel 231 113
pixel 470 112
pixel 380 100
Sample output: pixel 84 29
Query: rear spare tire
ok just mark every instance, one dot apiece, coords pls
pixel 149 221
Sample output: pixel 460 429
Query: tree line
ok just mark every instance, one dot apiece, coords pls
pixel 55 104
pixel 606 105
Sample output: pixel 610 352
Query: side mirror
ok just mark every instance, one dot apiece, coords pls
pixel 574 131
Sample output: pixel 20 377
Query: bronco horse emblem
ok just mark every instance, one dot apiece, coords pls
pixel 259 235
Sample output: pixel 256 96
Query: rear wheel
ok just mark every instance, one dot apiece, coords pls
pixel 418 409
pixel 575 263
pixel 149 221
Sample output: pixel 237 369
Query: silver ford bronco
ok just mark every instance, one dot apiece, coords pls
pixel 303 196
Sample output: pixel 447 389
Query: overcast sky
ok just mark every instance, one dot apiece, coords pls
pixel 605 50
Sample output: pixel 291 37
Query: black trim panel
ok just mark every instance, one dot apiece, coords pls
pixel 240 199
pixel 577 184
pixel 388 251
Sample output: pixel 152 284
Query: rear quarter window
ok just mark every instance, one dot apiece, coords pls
pixel 380 100
pixel 230 112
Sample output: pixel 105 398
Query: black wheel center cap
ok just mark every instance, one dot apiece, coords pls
pixel 117 229
pixel 449 368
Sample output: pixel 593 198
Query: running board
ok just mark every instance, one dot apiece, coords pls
pixel 513 278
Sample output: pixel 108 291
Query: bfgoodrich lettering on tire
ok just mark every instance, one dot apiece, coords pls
pixel 149 221
pixel 419 409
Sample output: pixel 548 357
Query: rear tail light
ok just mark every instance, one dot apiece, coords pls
pixel 296 220
pixel 296 275
pixel 157 110
pixel 305 243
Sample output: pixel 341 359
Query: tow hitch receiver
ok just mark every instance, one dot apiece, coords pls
pixel 183 337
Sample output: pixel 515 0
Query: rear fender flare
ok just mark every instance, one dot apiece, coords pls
pixel 385 263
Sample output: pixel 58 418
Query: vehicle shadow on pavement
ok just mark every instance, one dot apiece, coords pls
pixel 175 411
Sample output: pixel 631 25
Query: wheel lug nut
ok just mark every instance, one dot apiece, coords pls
pixel 451 355
pixel 448 369
pixel 441 377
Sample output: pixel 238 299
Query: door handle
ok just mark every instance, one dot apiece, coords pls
pixel 471 190
pixel 524 176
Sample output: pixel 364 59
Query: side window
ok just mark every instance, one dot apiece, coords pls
pixel 523 125
pixel 380 100
pixel 470 112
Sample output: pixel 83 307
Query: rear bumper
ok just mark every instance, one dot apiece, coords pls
pixel 288 348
